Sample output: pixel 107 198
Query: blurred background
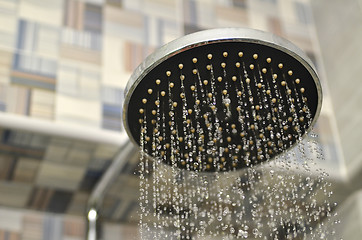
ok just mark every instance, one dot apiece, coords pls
pixel 63 68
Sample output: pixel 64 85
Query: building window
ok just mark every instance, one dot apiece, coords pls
pixel 112 117
pixel 112 99
pixel 78 82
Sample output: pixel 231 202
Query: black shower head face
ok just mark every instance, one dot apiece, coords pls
pixel 222 104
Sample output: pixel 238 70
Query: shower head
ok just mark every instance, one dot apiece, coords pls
pixel 222 99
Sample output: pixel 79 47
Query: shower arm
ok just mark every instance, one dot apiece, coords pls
pixel 126 150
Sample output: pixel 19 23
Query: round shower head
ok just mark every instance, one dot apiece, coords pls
pixel 222 99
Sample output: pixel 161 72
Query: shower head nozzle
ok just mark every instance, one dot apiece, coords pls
pixel 222 99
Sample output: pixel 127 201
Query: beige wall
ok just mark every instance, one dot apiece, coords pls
pixel 339 30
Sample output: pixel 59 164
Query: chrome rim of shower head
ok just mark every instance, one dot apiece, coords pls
pixel 259 93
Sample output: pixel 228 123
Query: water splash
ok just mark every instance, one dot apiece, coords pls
pixel 281 199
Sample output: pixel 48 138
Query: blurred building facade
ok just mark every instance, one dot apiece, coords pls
pixel 63 68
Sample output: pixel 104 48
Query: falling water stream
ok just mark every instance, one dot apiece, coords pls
pixel 237 163
pixel 280 199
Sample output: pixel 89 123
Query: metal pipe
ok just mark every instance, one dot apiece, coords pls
pixel 92 224
pixel 127 149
